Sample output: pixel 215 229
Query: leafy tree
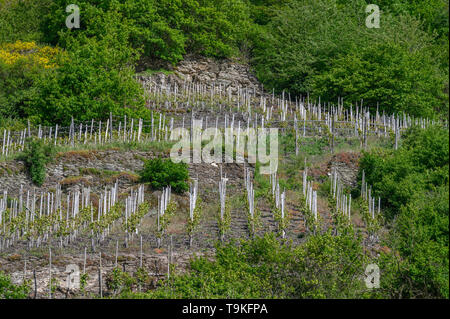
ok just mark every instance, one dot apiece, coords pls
pixel 398 65
pixel 262 11
pixel 163 29
pixel 417 266
pixel 414 185
pixel 36 155
pixel 21 63
pixel 96 79
pixel 433 13
pixel 421 236
pixel 216 28
pixel 396 78
pixel 159 173
pixel 420 164
pixel 325 267
pixel 20 20
pixel 17 87
pixel 138 20
pixel 298 43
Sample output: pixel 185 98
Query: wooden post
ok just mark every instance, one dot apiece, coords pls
pixel 169 258
pixel 110 126
pixel 84 262
pixel 100 288
pixel 117 252
pixel 332 134
pixel 72 132
pixel 140 261
pixel 35 283
pixel 365 132
pixel 24 271
pixel 50 272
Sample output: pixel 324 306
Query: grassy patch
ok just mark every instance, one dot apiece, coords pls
pixel 132 177
pixel 150 72
pixel 73 154
pixel 72 180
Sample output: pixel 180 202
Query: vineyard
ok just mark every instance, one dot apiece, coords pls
pixel 238 112
pixel 223 149
pixel 161 228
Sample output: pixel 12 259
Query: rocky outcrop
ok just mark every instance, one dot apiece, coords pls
pixel 226 73
pixel 99 168
pixel 75 169
pixel 347 166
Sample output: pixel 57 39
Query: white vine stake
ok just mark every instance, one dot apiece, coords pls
pixel 222 193
pixel 193 198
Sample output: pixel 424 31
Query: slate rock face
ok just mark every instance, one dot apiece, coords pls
pixel 347 166
pixel 228 73
pixel 73 169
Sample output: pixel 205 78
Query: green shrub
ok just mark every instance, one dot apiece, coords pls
pixel 97 78
pixel 262 11
pixel 118 280
pixel 159 173
pixel 17 86
pixel 8 290
pixel 419 165
pixel 413 183
pixel 164 29
pixel 379 74
pixel 421 235
pixel 298 53
pixel 20 20
pixel 36 156
pixel 433 13
pixel 325 267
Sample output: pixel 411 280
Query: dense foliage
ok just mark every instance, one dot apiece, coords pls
pixel 414 184
pixel 401 66
pixel 159 173
pixel 49 74
pixel 20 20
pixel 420 165
pixel 396 65
pixel 163 29
pixel 36 156
pixel 8 290
pixel 21 63
pixel 326 266
pixel 93 82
